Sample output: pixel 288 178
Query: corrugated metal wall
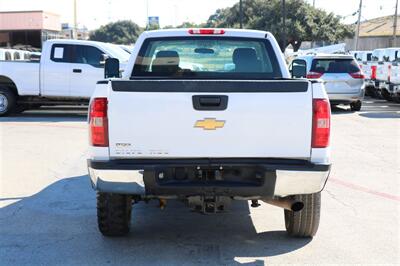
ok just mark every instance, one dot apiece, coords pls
pixel 371 43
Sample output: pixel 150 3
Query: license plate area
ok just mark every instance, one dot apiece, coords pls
pixel 186 181
pixel 210 176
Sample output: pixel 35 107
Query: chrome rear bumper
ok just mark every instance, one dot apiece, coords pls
pixel 280 180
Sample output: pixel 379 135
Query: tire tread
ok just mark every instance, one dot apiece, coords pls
pixel 113 213
pixel 12 100
pixel 305 222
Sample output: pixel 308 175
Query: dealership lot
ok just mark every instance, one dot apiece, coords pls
pixel 48 215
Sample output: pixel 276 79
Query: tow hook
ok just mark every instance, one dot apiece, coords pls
pixel 163 203
pixel 209 204
pixel 254 203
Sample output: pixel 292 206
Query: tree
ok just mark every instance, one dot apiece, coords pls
pixel 120 32
pixel 303 22
pixel 185 25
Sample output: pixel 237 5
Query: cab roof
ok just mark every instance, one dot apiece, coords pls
pixel 218 32
pixel 72 41
pixel 327 56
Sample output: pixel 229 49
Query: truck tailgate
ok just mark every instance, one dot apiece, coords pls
pixel 177 118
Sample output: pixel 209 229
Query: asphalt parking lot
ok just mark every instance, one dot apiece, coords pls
pixel 48 215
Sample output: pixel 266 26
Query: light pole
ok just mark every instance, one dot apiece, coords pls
pixel 312 42
pixel 241 14
pixel 358 27
pixel 395 25
pixel 74 31
pixel 284 25
pixel 147 14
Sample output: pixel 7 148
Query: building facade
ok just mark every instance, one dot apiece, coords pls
pixel 376 33
pixel 28 28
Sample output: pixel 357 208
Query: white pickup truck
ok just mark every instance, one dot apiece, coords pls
pixel 394 76
pixel 234 126
pixel 66 74
pixel 391 74
pixel 364 59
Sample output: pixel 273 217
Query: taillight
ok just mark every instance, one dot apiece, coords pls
pixel 389 72
pixel 373 72
pixel 321 123
pixel 207 31
pixel 98 122
pixel 357 75
pixel 314 75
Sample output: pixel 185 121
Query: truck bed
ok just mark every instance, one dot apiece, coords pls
pixel 25 75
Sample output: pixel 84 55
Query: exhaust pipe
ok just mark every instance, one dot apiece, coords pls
pixel 287 203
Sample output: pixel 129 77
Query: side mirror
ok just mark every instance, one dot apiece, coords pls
pixel 299 68
pixel 103 59
pixel 111 69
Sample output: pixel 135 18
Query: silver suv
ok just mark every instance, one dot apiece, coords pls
pixel 344 80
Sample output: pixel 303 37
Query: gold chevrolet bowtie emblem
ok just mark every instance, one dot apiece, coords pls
pixel 209 124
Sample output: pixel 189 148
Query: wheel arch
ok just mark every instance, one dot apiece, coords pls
pixel 9 83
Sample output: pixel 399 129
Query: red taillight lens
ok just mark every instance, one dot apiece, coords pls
pixel 389 72
pixel 98 122
pixel 314 75
pixel 373 72
pixel 321 123
pixel 357 75
pixel 207 31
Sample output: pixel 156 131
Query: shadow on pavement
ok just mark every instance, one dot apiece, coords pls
pixel 381 114
pixel 58 225
pixel 49 114
pixel 371 108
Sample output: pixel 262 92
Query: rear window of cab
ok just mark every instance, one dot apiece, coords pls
pixel 207 57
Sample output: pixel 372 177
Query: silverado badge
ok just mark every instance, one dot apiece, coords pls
pixel 209 124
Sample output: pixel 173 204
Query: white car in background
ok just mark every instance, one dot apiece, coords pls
pixel 126 48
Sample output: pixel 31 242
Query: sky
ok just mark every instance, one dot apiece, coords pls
pixel 94 13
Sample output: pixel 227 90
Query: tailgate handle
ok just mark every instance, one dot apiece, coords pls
pixel 210 102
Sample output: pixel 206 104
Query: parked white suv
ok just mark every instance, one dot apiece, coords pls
pixel 344 80
pixel 227 124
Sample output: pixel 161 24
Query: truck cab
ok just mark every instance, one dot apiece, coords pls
pixel 80 64
pixel 364 60
pixel 377 65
